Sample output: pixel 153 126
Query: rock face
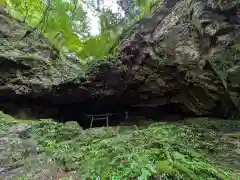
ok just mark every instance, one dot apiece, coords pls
pixel 193 49
pixel 31 71
pixel 29 66
pixel 186 58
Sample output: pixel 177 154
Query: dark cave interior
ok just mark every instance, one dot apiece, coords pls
pixel 24 108
pixel 78 113
pixel 37 109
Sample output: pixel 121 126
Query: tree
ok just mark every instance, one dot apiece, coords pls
pixel 66 23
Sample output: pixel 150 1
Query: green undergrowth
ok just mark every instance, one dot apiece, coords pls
pixel 168 151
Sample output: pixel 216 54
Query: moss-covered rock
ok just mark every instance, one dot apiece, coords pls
pixel 29 66
pixel 192 149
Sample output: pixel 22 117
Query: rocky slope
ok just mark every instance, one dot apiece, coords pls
pixel 193 149
pixel 185 58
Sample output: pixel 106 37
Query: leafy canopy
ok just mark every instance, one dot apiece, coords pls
pixel 67 25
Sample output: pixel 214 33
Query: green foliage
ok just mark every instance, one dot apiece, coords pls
pixel 168 151
pixel 66 24
pixel 52 20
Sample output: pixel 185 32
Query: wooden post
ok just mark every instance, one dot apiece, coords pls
pixel 91 122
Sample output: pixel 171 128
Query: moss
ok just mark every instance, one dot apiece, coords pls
pixel 170 151
pixel 213 124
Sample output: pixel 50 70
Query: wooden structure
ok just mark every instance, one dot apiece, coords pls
pixel 99 117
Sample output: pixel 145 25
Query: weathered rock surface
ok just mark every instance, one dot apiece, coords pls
pixel 31 69
pixel 187 57
pixel 21 158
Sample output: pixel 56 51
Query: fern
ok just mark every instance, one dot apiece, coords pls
pixel 161 150
pixel 166 151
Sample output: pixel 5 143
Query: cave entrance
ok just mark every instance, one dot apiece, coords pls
pixel 117 114
pixel 120 113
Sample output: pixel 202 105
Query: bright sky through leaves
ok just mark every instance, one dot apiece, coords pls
pixel 106 4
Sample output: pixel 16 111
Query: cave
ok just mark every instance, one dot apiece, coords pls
pixel 79 111
pixel 39 109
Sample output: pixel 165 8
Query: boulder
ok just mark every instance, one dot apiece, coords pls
pixel 73 124
pixel 22 130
